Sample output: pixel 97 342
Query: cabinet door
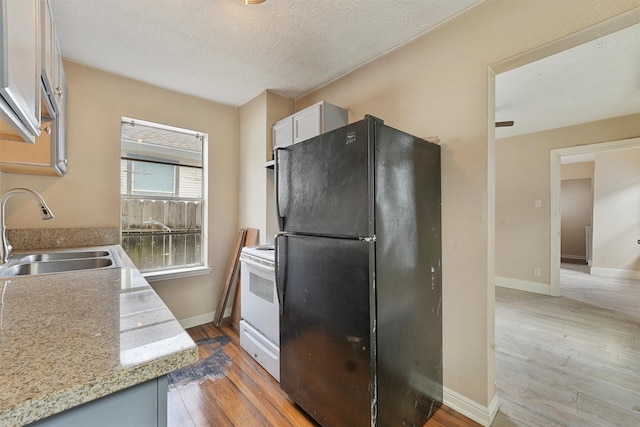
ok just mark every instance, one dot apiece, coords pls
pixel 47 45
pixel 60 138
pixel 20 63
pixel 58 74
pixel 307 123
pixel 143 404
pixel 283 133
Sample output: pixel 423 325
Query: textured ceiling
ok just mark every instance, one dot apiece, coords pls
pixel 227 52
pixel 593 81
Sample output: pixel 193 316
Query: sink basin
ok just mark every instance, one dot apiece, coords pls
pixel 58 262
pixel 52 256
pixel 60 266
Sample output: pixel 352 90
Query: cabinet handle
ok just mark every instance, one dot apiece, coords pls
pixel 46 130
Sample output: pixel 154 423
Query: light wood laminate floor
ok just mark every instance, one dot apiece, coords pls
pixel 572 360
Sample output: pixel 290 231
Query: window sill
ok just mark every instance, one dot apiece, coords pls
pixel 178 273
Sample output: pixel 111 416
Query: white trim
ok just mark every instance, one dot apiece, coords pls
pixel 129 120
pixel 178 273
pixel 204 240
pixel 197 320
pixel 481 414
pixel 554 204
pixel 204 138
pixel 578 257
pixel 201 319
pixel 555 218
pixel 523 285
pixel 615 273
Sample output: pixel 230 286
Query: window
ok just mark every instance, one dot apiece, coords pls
pixel 162 191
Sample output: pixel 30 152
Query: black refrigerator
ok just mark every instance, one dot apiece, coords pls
pixel 358 273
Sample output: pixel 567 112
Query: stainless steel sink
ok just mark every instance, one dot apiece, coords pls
pixel 53 256
pixel 59 262
pixel 45 267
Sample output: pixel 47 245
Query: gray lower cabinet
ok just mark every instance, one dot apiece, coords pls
pixel 142 405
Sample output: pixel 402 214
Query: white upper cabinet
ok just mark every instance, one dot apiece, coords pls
pixel 52 72
pixel 312 121
pixel 59 82
pixel 46 155
pixel 283 133
pixel 20 68
pixel 316 119
pixel 59 157
pixel 307 123
pixel 47 46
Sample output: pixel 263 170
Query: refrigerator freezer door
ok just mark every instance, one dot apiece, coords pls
pixel 323 186
pixel 324 329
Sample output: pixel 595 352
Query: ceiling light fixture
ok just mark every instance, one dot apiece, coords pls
pixel 248 2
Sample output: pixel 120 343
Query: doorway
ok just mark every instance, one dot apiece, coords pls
pixel 538 254
pixel 555 199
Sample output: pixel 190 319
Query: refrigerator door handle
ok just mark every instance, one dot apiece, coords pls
pixel 281 205
pixel 281 278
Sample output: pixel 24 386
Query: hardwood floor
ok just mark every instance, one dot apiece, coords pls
pixel 572 360
pixel 228 388
pixel 567 361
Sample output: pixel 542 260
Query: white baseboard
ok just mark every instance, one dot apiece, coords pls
pixel 197 320
pixel 615 273
pixel 523 285
pixel 578 257
pixel 481 414
pixel 202 319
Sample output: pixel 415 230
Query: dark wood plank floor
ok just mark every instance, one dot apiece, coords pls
pixel 237 391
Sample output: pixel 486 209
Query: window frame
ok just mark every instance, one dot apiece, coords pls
pixel 175 273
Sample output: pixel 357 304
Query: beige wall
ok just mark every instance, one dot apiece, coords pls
pixel 253 152
pixel 577 170
pixel 616 216
pixel 438 85
pixel 89 194
pixel 278 107
pixel 435 85
pixel 576 207
pixel 523 176
pixel 256 199
pixel 576 202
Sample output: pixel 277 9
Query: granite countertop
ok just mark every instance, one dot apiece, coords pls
pixel 69 338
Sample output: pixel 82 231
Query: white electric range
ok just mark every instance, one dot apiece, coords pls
pixel 260 310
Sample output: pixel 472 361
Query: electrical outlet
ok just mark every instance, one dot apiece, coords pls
pixel 536 272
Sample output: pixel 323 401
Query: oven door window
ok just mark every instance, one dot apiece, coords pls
pixel 261 287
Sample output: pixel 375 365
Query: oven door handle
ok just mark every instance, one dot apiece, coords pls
pixel 257 265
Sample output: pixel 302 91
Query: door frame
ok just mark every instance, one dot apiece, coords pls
pixel 554 205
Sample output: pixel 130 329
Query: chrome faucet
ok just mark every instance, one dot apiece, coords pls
pixel 45 213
